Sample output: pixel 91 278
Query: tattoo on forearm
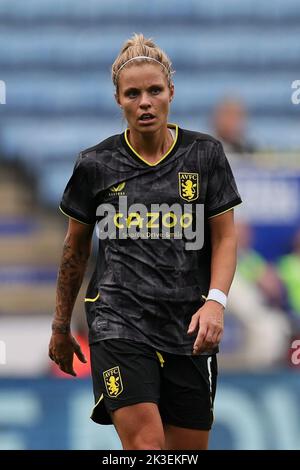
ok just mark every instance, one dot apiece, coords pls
pixel 69 280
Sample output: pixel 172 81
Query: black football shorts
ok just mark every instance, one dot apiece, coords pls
pixel 126 372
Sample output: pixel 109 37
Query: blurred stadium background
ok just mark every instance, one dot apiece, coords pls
pixel 235 63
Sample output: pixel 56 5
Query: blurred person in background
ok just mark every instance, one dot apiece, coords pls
pixel 254 269
pixel 153 337
pixel 265 331
pixel 229 123
pixel 289 272
pixel 257 303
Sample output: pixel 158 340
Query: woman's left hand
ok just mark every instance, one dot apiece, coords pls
pixel 208 321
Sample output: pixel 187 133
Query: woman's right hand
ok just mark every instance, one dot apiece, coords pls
pixel 61 349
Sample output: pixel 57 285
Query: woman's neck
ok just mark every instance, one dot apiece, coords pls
pixel 152 147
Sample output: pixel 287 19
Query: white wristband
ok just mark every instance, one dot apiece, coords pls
pixel 218 296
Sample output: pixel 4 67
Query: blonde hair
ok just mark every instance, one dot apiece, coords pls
pixel 141 48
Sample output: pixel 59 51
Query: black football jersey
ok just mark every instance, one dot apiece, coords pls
pixel 151 273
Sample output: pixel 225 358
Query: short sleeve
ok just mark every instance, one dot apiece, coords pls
pixel 78 201
pixel 222 192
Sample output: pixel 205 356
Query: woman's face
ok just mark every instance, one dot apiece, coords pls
pixel 144 95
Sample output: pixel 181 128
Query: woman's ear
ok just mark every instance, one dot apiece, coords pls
pixel 171 88
pixel 117 99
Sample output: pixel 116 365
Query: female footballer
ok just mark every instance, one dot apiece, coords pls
pixel 161 199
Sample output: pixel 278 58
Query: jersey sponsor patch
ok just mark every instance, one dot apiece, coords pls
pixel 113 381
pixel 188 186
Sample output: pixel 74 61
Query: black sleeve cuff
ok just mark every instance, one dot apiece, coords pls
pixel 224 208
pixel 75 215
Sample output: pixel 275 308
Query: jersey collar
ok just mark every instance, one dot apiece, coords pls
pixel 137 157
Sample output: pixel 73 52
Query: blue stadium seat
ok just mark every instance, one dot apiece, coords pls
pixel 55 58
pixel 135 9
pixel 194 47
pixel 35 140
pixel 61 94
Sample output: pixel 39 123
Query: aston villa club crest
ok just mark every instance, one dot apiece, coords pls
pixel 188 186
pixel 113 381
